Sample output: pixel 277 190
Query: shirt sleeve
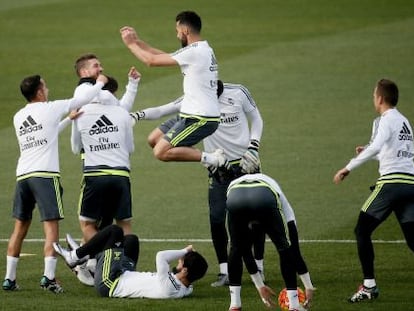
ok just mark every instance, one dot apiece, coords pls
pixel 380 135
pixel 252 112
pixel 154 113
pixel 63 124
pixel 256 124
pixel 128 99
pixel 164 258
pixel 130 136
pixel 75 140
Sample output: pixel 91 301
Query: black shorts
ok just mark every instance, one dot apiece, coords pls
pixel 392 193
pixel 111 263
pixel 217 191
pixel 187 130
pixel 253 202
pixel 104 198
pixel 45 191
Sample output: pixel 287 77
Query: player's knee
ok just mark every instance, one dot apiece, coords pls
pixel 160 154
pixel 151 141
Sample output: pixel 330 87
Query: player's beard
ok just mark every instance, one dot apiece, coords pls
pixel 184 42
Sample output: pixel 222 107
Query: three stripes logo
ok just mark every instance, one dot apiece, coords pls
pixel 405 133
pixel 29 126
pixel 103 125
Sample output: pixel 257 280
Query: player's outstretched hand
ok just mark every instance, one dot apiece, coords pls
pixel 128 35
pixel 134 73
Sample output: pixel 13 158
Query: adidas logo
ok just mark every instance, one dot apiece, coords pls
pixel 28 126
pixel 103 125
pixel 405 133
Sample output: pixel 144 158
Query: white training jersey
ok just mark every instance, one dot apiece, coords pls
pixel 200 70
pixel 36 127
pixel 37 133
pixel 105 97
pixel 233 133
pixel 274 186
pixel 157 285
pixel 391 144
pixel 105 134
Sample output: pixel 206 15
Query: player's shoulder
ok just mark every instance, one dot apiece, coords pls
pixel 235 87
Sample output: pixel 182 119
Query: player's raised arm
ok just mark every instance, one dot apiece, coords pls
pixel 145 53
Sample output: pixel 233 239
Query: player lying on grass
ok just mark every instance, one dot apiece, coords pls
pixel 117 256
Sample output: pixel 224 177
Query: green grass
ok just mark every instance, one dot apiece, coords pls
pixel 311 67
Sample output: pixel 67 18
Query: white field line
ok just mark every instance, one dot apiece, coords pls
pixel 209 240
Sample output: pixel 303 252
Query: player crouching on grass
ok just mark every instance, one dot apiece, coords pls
pixel 117 256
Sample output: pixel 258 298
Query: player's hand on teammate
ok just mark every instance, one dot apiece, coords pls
pixel 74 114
pixel 250 162
pixel 102 78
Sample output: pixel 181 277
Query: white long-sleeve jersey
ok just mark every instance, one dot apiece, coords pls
pixel 200 70
pixel 105 134
pixel 274 186
pixel 36 127
pixel 161 284
pixel 391 144
pixel 105 97
pixel 233 134
pixel 106 143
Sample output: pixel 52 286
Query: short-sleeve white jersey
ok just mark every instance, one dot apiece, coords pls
pixel 274 186
pixel 233 133
pixel 36 127
pixel 391 143
pixel 157 285
pixel 105 134
pixel 200 70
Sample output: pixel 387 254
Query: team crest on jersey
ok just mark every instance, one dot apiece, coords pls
pixel 29 126
pixel 103 125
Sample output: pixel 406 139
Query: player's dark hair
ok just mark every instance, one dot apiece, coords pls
pixel 111 85
pixel 82 60
pixel 29 86
pixel 196 266
pixel 191 19
pixel 388 90
pixel 220 88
